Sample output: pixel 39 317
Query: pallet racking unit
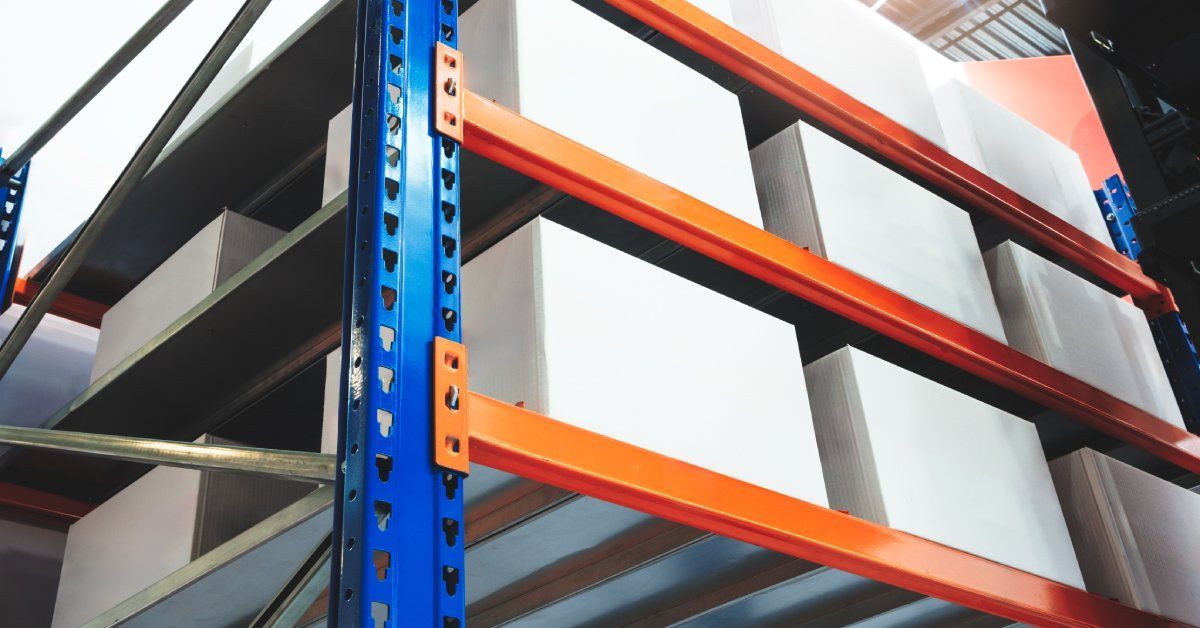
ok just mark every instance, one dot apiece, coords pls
pixel 412 427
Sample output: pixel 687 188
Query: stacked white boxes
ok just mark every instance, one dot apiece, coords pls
pixel 192 273
pixel 1078 328
pixel 569 70
pixel 155 526
pixel 53 368
pixel 1135 534
pixel 911 454
pixel 1013 151
pixel 820 194
pixel 854 49
pixel 593 337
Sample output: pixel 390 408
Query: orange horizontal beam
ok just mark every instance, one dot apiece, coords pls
pixel 67 306
pixel 43 503
pixel 725 45
pixel 505 137
pixel 518 441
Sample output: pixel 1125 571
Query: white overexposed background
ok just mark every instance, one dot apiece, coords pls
pixel 51 48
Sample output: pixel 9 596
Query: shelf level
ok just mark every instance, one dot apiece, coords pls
pixel 518 441
pixel 723 44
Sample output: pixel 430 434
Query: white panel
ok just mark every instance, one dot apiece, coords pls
pixel 337 156
pixel 1135 533
pixel 1018 154
pixel 142 534
pixel 854 49
pixel 821 194
pixel 53 368
pixel 914 455
pixel 178 284
pixel 1063 320
pixel 331 399
pixel 599 339
pixel 569 70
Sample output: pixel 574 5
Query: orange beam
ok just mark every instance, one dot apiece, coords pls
pixel 723 44
pixel 67 306
pixel 518 441
pixel 43 503
pixel 503 136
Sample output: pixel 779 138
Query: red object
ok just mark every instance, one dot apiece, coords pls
pixel 518 441
pixel 505 137
pixel 692 27
pixel 42 503
pixel 67 306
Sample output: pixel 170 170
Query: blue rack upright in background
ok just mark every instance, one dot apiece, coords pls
pixel 12 196
pixel 1171 335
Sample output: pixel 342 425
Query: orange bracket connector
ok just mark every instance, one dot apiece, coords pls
pixel 450 443
pixel 448 87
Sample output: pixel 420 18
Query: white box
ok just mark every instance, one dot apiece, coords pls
pixel 193 272
pixel 569 70
pixel 854 49
pixel 1019 155
pixel 337 155
pixel 827 197
pixel 156 525
pixel 1078 328
pixel 591 336
pixel 913 455
pixel 53 368
pixel 1136 534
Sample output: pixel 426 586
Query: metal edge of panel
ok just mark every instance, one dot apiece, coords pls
pixel 213 562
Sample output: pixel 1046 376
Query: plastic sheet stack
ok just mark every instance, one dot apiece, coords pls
pixel 823 195
pixel 1059 318
pixel 911 454
pixel 569 70
pixel 847 45
pixel 1018 154
pixel 1135 534
pixel 593 337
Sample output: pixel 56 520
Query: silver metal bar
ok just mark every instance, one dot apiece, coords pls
pixel 301 591
pixel 137 167
pixel 94 85
pixel 291 465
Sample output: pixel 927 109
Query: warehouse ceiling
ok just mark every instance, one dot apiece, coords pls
pixel 977 30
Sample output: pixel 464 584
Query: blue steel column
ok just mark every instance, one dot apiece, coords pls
pixel 12 195
pixel 399 527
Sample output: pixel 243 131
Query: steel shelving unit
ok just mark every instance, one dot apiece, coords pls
pixel 438 174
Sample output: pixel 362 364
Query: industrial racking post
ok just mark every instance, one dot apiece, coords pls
pixel 399 531
pixel 12 196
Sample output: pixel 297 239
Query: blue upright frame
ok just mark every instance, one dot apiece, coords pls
pixel 399 527
pixel 12 197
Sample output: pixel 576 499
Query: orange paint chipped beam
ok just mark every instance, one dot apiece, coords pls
pixel 67 306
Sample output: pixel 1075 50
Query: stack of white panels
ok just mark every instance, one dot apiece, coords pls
pixel 1018 154
pixel 156 525
pixel 596 338
pixel 1078 328
pixel 565 68
pixel 1136 534
pixel 913 455
pixel 823 195
pixel 212 256
pixel 53 368
pixel 852 48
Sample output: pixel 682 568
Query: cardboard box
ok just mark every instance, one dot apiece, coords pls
pixel 593 337
pixel 1080 329
pixel 1135 534
pixel 193 272
pixel 913 455
pixel 156 525
pixel 1018 154
pixel 567 69
pixel 827 197
pixel 53 368
pixel 854 49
